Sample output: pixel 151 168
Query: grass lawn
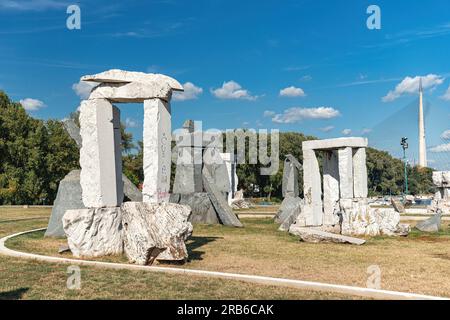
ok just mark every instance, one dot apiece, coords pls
pixel 419 264
pixel 25 279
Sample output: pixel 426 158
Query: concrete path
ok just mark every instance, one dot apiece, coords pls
pixel 298 284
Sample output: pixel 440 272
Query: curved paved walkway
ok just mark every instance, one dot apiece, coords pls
pixel 305 285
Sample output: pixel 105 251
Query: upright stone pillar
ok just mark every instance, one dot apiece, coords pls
pixel 290 180
pixel 312 189
pixel 346 172
pixel 230 164
pixel 157 151
pixel 360 173
pixel 100 154
pixel 330 187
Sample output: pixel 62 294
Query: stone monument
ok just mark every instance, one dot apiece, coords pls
pixel 202 179
pixel 292 204
pixel 441 201
pixel 107 226
pixel 338 202
pixel 69 190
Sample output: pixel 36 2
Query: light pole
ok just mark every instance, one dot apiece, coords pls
pixel 404 144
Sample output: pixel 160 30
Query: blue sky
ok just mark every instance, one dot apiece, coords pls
pixel 306 65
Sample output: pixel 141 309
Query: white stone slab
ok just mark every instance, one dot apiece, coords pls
pixel 345 157
pixel 100 154
pixel 122 76
pixel 335 143
pixel 316 236
pixel 155 231
pixel 230 164
pixel 360 173
pixel 94 232
pixel 330 187
pixel 313 212
pixel 157 151
pixel 135 92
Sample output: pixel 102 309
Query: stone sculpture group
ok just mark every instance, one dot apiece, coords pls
pixel 344 210
pixel 154 224
pixel 153 229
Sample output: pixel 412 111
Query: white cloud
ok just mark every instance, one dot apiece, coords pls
pixel 30 104
pixel 327 129
pixel 306 78
pixel 366 131
pixel 131 123
pixel 232 90
pixel 293 115
pixel 83 89
pixel 411 85
pixel 446 135
pixel 446 96
pixel 32 5
pixel 346 132
pixel 292 92
pixel 269 113
pixel 441 148
pixel 191 92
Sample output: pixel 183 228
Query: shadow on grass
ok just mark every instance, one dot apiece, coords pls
pixel 197 242
pixel 13 294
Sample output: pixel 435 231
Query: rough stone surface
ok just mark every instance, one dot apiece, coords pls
pixel 188 174
pixel 315 236
pixel 290 210
pixel 157 151
pixel 201 206
pixel 360 185
pixel 441 178
pixel 94 232
pixel 226 215
pixel 290 179
pixel 122 76
pixel 73 130
pixel 313 212
pixel 67 198
pixel 335 143
pixel 134 92
pixel 345 158
pixel 240 204
pixel 398 206
pixel 100 154
pixel 289 206
pixel 155 231
pixel 230 165
pixel 330 188
pixel 130 190
pixel 358 218
pixel 432 224
pixel 217 168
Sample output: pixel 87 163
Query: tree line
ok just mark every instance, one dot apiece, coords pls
pixel 35 155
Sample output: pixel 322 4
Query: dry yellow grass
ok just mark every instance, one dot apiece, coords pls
pixel 419 263
pixel 25 279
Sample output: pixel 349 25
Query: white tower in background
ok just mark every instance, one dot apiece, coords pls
pixel 422 143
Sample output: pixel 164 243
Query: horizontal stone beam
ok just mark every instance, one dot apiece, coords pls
pixel 121 76
pixel 134 92
pixel 335 143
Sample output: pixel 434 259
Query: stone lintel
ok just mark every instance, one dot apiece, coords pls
pixel 352 142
